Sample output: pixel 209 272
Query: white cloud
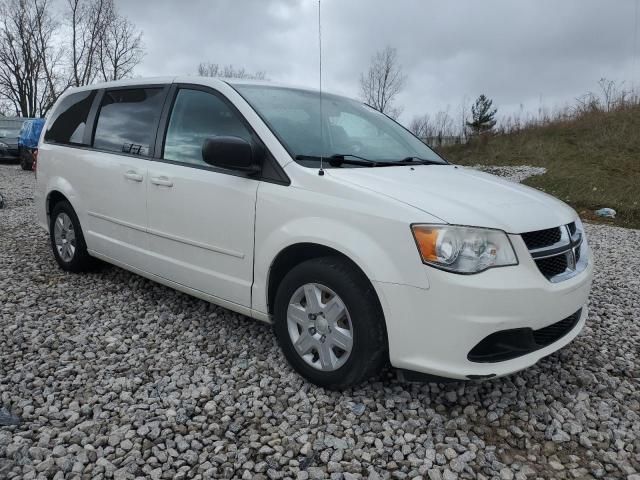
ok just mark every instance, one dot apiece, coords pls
pixel 515 52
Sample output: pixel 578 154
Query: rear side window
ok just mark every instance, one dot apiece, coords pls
pixel 69 120
pixel 128 119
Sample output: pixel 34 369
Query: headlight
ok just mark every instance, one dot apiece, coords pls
pixel 3 145
pixel 463 249
pixel 580 229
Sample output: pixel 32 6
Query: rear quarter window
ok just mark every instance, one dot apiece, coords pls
pixel 69 120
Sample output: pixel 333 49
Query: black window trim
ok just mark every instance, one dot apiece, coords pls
pixel 92 119
pixel 279 177
pixel 88 122
pixel 156 148
pixel 164 91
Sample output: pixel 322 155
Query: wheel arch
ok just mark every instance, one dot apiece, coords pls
pixel 293 255
pixel 54 197
pixel 56 189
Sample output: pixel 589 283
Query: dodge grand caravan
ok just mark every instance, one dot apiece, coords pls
pixel 355 240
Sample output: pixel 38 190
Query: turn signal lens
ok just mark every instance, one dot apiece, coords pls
pixel 463 249
pixel 426 239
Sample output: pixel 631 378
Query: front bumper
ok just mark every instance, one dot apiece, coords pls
pixel 432 331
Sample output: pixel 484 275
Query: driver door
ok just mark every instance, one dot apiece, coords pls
pixel 201 218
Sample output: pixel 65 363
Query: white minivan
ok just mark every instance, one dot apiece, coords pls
pixel 360 244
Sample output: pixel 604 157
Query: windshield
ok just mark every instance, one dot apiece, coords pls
pixel 349 128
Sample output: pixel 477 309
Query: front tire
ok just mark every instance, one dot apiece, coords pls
pixel 67 240
pixel 329 323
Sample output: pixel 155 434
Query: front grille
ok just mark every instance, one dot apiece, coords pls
pixel 557 251
pixel 552 266
pixel 516 342
pixel 542 238
pixel 547 335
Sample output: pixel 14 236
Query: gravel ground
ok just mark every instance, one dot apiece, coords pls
pixel 515 174
pixel 114 376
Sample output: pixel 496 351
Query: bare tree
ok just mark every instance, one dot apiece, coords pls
pixel 463 112
pixel 28 56
pixel 421 126
pixel 443 123
pixel 437 130
pixel 585 103
pixel 34 67
pixel 611 93
pixel 121 49
pixel 89 23
pixel 51 54
pixel 443 127
pixel 6 107
pixel 208 69
pixel 104 44
pixel 383 81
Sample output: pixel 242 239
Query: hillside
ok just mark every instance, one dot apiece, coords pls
pixel 592 161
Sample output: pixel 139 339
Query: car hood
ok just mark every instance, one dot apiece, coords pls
pixel 462 196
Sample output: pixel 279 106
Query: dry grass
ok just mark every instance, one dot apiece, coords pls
pixel 592 159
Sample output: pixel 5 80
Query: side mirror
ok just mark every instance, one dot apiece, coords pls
pixel 233 153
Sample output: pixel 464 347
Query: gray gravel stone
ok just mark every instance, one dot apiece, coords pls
pixel 115 376
pixel 515 174
pixel 506 473
pixel 8 418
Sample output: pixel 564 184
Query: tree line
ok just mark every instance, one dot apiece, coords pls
pixel 379 88
pixel 44 51
pixel 209 69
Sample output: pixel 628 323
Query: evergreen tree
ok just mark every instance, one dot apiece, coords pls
pixel 482 115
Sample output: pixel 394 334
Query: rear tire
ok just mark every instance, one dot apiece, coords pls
pixel 25 164
pixel 330 353
pixel 67 240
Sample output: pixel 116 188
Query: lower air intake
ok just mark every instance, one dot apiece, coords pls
pixel 516 342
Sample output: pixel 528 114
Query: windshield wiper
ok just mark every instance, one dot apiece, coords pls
pixel 418 160
pixel 338 159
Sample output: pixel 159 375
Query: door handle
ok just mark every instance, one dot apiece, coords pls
pixel 131 175
pixel 162 181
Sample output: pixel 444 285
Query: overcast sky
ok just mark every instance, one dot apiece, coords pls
pixel 516 52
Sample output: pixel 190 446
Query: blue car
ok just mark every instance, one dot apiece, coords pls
pixel 28 142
